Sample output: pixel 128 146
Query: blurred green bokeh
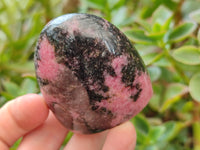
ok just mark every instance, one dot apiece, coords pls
pixel 166 34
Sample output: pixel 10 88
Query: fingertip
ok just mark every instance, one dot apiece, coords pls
pixel 86 141
pixel 51 132
pixel 128 130
pixel 29 110
pixel 131 134
pixel 121 137
pixel 20 116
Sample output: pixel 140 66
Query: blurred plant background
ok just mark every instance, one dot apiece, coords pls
pixel 166 34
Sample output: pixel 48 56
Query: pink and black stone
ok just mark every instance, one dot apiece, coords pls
pixel 90 75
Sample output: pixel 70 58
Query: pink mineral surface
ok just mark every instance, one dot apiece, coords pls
pixel 89 73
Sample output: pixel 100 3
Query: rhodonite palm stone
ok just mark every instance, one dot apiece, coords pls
pixel 89 73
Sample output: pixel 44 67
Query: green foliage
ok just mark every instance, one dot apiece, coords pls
pixel 188 55
pixel 194 87
pixel 166 34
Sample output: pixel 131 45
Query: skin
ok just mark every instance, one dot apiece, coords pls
pixel 29 117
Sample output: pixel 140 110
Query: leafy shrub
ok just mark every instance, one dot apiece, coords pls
pixel 166 34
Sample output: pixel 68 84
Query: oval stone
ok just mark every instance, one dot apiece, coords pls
pixel 89 73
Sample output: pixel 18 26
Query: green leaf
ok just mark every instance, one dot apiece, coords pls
pixel 97 4
pixel 28 67
pixel 195 15
pixel 144 49
pixel 68 137
pixel 11 88
pixel 172 128
pixel 139 36
pixel 152 6
pixel 115 4
pixel 194 87
pixel 189 6
pixel 188 107
pixel 142 128
pixel 156 27
pixel 155 102
pixel 141 124
pixel 169 76
pixel 168 24
pixel 157 35
pixel 144 24
pixel 6 31
pixel 175 89
pixel 16 144
pixel 198 36
pixel 181 32
pixel 173 94
pixel 155 133
pixel 191 41
pixel 161 15
pixel 28 86
pixel 196 132
pixel 118 16
pixel 171 4
pixel 189 55
pixel 163 62
pixel 154 73
pixel 2 101
pixel 148 58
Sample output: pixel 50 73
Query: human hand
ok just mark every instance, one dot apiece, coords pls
pixel 29 117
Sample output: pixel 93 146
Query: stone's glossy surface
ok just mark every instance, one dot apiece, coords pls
pixel 90 75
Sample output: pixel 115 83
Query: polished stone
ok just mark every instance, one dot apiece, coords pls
pixel 90 75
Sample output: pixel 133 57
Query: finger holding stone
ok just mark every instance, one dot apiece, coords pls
pixel 49 136
pixel 20 116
